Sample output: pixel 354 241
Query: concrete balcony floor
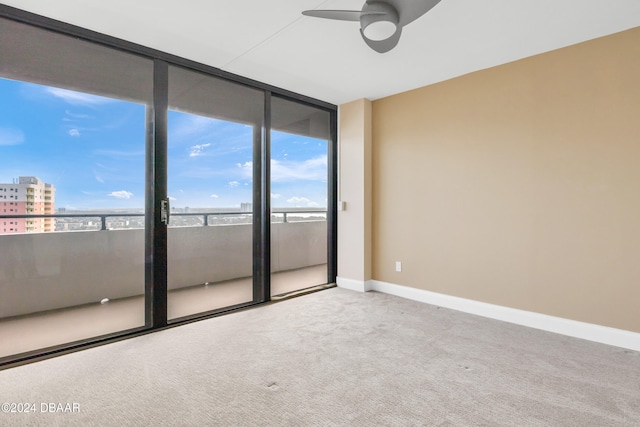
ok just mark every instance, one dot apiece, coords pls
pixel 40 330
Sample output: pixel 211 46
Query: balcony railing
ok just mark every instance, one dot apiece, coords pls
pixel 44 271
pixel 285 214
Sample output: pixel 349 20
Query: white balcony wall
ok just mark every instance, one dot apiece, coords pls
pixel 47 271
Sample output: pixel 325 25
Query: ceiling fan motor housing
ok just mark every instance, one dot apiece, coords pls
pixel 378 21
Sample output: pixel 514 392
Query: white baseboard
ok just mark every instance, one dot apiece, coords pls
pixel 572 328
pixel 353 285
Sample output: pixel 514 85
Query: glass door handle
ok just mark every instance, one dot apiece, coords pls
pixel 165 211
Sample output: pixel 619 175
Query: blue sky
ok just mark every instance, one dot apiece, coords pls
pixel 91 149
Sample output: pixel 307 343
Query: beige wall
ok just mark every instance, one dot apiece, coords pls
pixel 354 223
pixel 518 185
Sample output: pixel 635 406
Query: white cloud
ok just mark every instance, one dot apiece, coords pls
pixel 298 201
pixel 76 116
pixel 99 179
pixel 74 132
pixel 246 169
pixel 233 184
pixel 196 150
pixel 106 168
pixel 275 195
pixel 307 170
pixel 291 170
pixel 214 196
pixel 77 98
pixel 226 137
pixel 172 198
pixel 122 194
pixel 191 126
pixel 10 136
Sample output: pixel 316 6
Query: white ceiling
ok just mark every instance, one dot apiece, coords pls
pixel 272 42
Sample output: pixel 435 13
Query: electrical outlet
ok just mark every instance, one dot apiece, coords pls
pixel 398 266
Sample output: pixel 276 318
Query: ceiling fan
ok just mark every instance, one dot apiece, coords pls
pixel 381 21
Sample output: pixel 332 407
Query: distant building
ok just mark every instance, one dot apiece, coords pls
pixel 246 207
pixel 28 196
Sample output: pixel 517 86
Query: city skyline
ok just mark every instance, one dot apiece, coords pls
pixel 92 149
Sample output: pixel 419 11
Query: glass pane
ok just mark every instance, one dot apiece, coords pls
pixel 299 152
pixel 212 128
pixel 72 144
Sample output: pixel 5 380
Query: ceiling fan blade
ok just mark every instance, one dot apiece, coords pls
pixel 340 15
pixel 409 10
pixel 383 46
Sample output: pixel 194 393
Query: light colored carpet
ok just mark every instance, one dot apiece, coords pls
pixel 336 358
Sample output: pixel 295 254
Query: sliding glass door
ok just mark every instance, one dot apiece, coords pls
pixel 299 164
pixel 72 189
pixel 211 135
